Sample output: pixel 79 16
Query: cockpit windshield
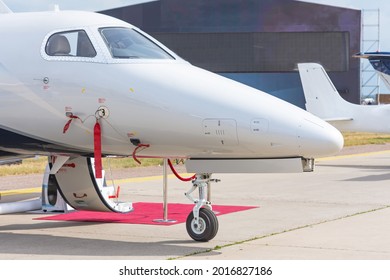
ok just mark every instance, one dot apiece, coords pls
pixel 126 43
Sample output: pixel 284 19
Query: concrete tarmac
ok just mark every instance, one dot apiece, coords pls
pixel 339 211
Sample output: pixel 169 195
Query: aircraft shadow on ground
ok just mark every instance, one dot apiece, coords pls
pixel 42 245
pixel 384 169
pixel 371 178
pixel 361 166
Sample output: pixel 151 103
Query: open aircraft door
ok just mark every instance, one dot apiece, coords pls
pixel 76 184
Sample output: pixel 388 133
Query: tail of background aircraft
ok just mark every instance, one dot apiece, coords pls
pixel 4 8
pixel 322 98
pixel 381 63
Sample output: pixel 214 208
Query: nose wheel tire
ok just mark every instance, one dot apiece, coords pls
pixel 207 226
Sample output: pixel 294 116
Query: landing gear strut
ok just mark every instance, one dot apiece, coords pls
pixel 201 224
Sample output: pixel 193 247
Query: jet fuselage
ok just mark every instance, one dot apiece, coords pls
pixel 151 97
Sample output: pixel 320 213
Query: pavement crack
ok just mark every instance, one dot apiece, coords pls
pixel 330 248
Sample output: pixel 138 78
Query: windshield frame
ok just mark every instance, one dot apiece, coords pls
pixel 144 47
pixel 100 57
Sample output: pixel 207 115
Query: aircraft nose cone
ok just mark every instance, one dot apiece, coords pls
pixel 318 138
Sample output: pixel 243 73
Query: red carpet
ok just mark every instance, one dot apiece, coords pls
pixel 144 213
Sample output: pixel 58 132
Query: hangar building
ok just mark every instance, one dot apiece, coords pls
pixel 258 42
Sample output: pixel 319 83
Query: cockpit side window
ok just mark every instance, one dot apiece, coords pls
pixel 73 43
pixel 127 43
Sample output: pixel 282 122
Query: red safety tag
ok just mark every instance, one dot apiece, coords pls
pixel 97 140
pixel 71 118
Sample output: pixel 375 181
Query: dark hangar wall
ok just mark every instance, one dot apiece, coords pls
pixel 257 42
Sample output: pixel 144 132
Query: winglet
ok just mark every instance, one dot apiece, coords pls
pixel 380 61
pixel 4 8
pixel 372 55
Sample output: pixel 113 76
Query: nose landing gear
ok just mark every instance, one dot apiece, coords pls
pixel 202 223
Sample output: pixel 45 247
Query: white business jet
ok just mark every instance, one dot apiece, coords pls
pixel 324 101
pixel 81 85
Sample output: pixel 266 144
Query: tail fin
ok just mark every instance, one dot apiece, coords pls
pixel 322 98
pixel 4 8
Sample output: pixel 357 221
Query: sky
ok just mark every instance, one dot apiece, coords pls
pixel 87 5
